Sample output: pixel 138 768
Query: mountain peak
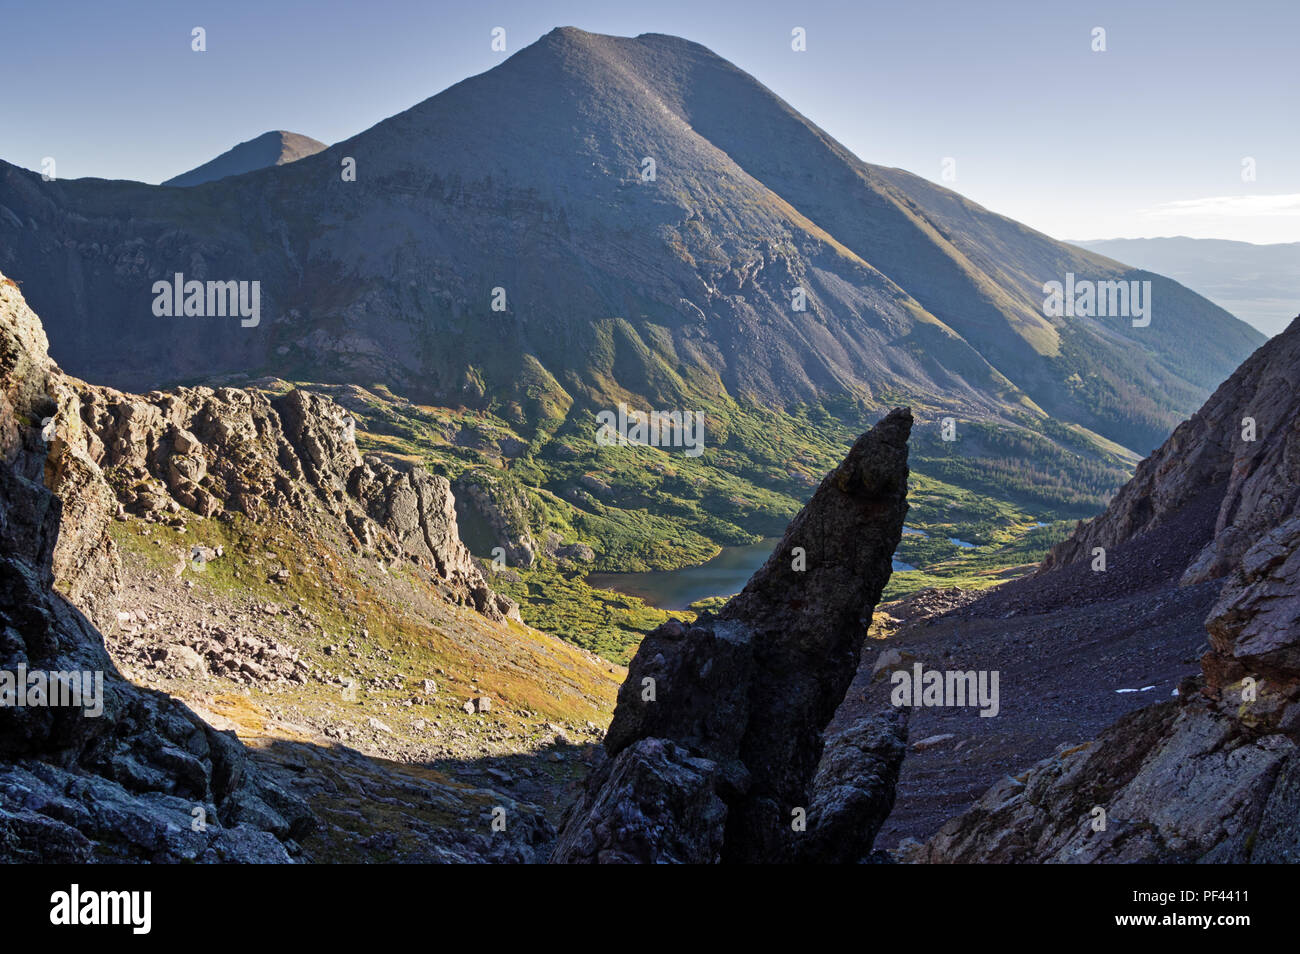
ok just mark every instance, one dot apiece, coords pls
pixel 273 148
pixel 572 34
pixel 665 227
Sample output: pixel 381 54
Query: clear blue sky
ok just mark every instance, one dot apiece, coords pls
pixel 1146 138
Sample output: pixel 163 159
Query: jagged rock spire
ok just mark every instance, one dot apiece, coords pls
pixel 718 730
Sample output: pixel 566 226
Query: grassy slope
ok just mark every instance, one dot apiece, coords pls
pixel 394 762
pixel 646 509
pixel 378 622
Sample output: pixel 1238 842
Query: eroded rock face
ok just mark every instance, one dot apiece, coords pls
pixel 1213 775
pixel 1255 625
pixel 718 730
pixel 853 790
pixel 1180 782
pixel 1243 445
pixel 144 778
pixel 229 450
pixel 505 510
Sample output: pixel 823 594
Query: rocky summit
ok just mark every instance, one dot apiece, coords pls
pixel 717 735
pixel 269 149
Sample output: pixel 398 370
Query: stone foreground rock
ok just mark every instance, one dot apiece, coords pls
pixel 718 730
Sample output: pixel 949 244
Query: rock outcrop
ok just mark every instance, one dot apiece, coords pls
pixel 113 772
pixel 1214 775
pixel 718 731
pixel 1255 625
pixel 853 790
pixel 1239 448
pixel 503 506
pixel 224 451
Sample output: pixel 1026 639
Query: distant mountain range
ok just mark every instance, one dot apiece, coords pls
pixel 1260 284
pixel 649 218
pixel 269 149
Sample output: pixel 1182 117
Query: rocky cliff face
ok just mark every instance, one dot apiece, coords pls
pixel 227 451
pixel 145 778
pixel 717 735
pixel 1239 450
pixel 1213 775
pixel 504 510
